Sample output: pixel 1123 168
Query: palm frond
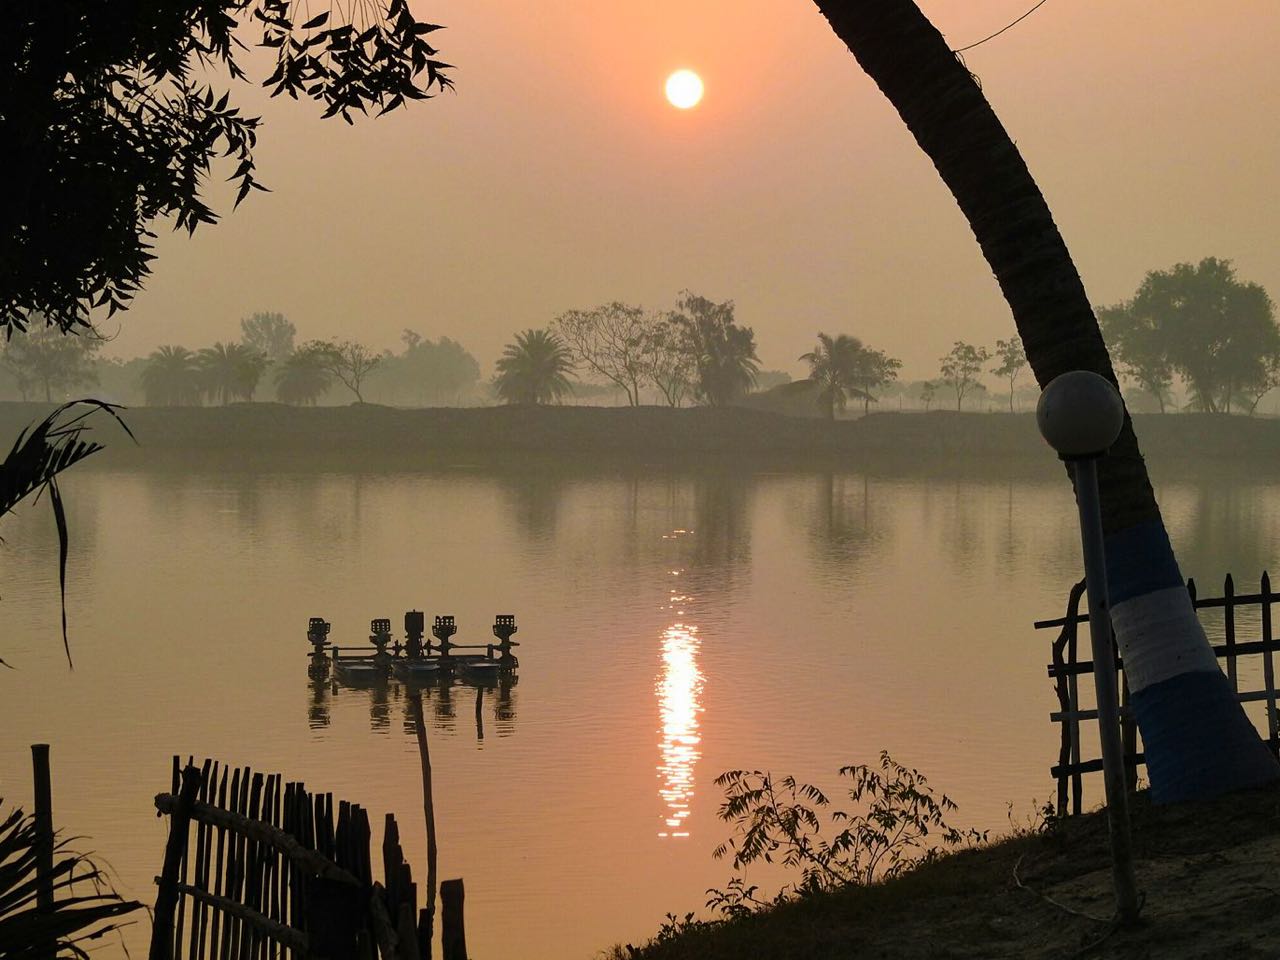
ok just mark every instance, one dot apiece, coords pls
pixel 39 455
pixel 85 906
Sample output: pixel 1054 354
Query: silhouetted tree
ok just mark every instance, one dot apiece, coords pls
pixel 230 371
pixel 1012 361
pixel 1266 380
pixel 960 368
pixel 1219 333
pixel 724 354
pixel 45 360
pixel 113 123
pixel 928 390
pixel 534 369
pixel 302 378
pixel 268 334
pixel 172 378
pixel 348 362
pixel 1198 740
pixel 441 370
pixel 667 359
pixel 1139 348
pixel 874 369
pixel 833 365
pixel 610 340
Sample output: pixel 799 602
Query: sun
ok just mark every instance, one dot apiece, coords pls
pixel 684 89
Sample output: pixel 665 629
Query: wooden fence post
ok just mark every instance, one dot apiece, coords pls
pixel 453 933
pixel 1268 666
pixel 162 945
pixel 43 791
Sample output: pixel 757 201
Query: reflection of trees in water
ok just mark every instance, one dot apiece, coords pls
pixel 535 499
pixel 718 546
pixel 1009 547
pixel 1229 528
pixel 632 520
pixel 327 507
pixel 30 534
pixel 843 529
pixel 955 512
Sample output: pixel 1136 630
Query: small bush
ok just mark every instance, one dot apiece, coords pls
pixel 900 824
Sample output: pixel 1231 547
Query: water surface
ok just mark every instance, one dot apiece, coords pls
pixel 675 624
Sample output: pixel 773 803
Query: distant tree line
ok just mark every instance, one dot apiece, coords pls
pixel 1196 326
pixel 263 364
pixel 696 352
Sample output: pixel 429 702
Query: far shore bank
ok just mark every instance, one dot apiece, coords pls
pixel 938 441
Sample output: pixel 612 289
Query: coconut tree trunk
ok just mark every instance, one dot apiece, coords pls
pixel 1198 741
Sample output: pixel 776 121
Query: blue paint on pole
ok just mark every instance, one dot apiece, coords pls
pixel 1139 561
pixel 1198 741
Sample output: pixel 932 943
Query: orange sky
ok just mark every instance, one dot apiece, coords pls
pixel 557 176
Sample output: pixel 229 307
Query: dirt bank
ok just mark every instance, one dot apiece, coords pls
pixel 1210 874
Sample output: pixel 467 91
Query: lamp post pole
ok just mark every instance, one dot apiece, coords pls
pixel 1080 414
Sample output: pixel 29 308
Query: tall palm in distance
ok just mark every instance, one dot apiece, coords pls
pixel 171 378
pixel 534 369
pixel 301 378
pixel 833 366
pixel 231 371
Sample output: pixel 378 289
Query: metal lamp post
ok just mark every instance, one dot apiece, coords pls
pixel 1080 414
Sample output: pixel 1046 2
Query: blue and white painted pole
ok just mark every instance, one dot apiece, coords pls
pixel 1080 414
pixel 1196 737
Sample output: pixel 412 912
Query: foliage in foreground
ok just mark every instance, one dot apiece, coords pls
pixel 39 455
pixel 85 907
pixel 899 824
pixel 119 121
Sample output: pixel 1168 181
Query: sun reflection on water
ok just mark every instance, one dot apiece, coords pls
pixel 679 689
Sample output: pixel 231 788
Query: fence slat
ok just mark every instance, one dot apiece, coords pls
pixel 258 885
pixel 453 933
pixel 198 908
pixel 1229 629
pixel 293 939
pixel 162 927
pixel 217 933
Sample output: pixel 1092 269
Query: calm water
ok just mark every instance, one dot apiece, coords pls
pixel 674 625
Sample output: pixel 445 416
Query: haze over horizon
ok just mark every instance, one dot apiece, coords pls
pixel 557 176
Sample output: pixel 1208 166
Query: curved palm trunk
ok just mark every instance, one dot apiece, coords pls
pixel 1198 741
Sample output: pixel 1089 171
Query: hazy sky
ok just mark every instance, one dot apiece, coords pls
pixel 557 176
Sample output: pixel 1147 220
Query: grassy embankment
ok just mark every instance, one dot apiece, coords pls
pixel 1208 873
pixel 941 440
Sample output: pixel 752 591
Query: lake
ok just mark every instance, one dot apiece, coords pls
pixel 674 624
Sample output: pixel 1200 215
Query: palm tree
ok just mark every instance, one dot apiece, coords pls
pixel 84 906
pixel 724 354
pixel 231 371
pixel 172 378
pixel 301 378
pixel 833 365
pixel 1198 740
pixel 534 369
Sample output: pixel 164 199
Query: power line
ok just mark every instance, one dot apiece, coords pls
pixel 1002 29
